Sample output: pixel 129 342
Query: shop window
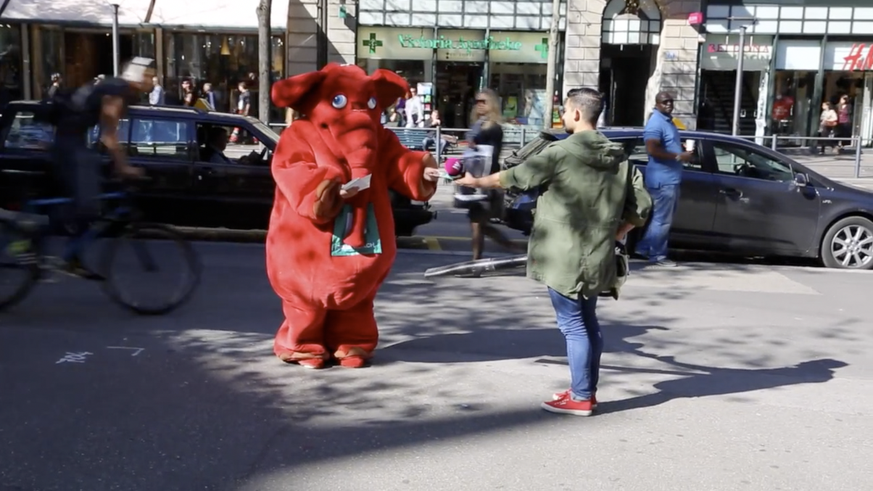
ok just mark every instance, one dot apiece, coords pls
pixel 10 65
pixel 742 162
pixel 26 133
pixel 224 60
pixel 522 90
pixel 49 47
pixel 163 139
pixel 845 91
pixel 794 113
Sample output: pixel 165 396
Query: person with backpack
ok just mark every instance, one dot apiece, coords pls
pixel 74 113
pixel 591 198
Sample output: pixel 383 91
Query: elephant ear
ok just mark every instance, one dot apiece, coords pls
pixel 389 87
pixel 297 92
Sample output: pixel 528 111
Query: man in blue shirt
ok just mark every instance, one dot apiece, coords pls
pixel 663 176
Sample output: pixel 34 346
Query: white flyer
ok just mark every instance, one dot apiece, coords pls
pixel 361 183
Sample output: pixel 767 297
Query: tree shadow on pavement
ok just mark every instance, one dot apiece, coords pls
pixel 208 406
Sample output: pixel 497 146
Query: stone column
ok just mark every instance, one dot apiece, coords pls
pixel 676 62
pixel 301 39
pixel 582 44
pixel 341 33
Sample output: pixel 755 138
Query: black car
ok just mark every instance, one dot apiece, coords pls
pixel 191 187
pixel 741 198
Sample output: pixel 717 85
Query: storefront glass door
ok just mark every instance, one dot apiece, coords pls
pixel 456 86
pixel 867 111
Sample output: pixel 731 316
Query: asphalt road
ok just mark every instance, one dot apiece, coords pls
pixel 716 377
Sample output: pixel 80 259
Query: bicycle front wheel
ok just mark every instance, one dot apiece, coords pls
pixel 150 269
pixel 19 269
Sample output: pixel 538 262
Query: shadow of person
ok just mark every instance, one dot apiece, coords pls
pixel 492 344
pixel 713 381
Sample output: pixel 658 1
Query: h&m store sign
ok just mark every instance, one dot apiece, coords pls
pixel 858 57
pixel 384 43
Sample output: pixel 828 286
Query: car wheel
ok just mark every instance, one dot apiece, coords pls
pixel 848 244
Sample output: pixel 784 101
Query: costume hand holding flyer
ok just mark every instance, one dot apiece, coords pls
pixel 361 183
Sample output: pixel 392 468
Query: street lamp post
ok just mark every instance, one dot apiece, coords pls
pixel 738 88
pixel 115 39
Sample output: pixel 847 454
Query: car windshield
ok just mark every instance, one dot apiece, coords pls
pixel 268 131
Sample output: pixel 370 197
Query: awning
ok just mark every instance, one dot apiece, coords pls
pixel 181 14
pixel 226 14
pixel 93 12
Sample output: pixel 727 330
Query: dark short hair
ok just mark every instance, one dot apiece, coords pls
pixel 217 132
pixel 588 101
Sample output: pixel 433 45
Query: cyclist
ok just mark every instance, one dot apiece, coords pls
pixel 79 167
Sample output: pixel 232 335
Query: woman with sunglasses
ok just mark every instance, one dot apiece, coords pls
pixel 486 130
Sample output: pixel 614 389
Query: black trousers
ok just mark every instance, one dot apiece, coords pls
pixel 78 170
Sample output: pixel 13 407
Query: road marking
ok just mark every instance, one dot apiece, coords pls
pixel 74 357
pixel 137 350
pixel 458 239
pixel 432 244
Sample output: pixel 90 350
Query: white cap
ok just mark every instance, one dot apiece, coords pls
pixel 136 69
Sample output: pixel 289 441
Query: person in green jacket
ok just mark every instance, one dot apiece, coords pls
pixel 591 196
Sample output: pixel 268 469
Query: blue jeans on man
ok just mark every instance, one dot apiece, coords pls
pixel 665 198
pixel 577 320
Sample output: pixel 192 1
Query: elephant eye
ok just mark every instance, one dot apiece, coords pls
pixel 372 103
pixel 339 101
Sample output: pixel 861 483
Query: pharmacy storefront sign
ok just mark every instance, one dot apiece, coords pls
pixel 451 45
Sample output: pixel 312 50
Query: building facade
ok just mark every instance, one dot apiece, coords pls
pixel 798 55
pixel 629 49
pixel 217 44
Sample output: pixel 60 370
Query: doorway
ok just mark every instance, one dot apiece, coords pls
pixel 624 75
pixel 89 53
pixel 456 86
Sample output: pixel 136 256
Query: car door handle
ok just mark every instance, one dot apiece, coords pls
pixel 205 171
pixel 731 192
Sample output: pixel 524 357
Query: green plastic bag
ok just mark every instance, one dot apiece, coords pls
pixel 343 224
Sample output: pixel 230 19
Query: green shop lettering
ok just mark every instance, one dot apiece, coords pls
pixel 468 45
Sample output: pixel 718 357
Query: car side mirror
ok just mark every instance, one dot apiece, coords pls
pixel 800 180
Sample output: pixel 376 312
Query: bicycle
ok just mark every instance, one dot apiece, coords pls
pixel 24 235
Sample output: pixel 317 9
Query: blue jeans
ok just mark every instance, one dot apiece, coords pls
pixel 439 148
pixel 577 320
pixel 653 245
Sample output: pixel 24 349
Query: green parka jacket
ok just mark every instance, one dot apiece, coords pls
pixel 589 190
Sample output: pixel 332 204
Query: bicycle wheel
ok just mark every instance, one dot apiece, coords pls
pixel 19 269
pixel 130 263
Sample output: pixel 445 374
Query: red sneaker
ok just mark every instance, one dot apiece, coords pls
pixel 568 406
pixel 557 396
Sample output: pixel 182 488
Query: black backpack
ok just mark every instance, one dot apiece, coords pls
pixel 65 104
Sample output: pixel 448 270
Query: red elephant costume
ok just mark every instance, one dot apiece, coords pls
pixel 327 256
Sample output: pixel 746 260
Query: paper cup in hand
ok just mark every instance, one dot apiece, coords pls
pixel 689 145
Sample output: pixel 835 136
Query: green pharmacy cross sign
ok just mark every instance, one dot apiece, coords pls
pixel 543 48
pixel 372 43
